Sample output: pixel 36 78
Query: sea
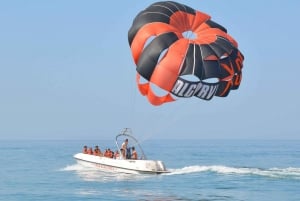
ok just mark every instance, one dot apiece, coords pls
pixel 203 170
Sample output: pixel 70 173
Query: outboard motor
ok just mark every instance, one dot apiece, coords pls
pixel 160 166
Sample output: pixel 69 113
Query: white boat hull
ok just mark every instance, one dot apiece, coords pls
pixel 121 165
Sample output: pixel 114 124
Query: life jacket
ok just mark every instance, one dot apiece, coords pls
pixel 96 152
pixel 106 154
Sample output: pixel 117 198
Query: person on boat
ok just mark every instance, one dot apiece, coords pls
pixel 85 150
pixel 123 153
pixel 97 151
pixel 108 153
pixel 134 155
pixel 125 148
pixel 90 151
pixel 117 154
pixel 105 153
pixel 128 153
pixel 124 144
pixel 112 154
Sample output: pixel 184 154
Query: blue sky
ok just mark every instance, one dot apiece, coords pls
pixel 66 72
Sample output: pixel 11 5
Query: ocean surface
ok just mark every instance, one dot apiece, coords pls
pixel 206 170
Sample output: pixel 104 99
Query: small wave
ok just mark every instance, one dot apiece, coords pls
pixel 291 172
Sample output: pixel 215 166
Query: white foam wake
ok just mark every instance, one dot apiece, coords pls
pixel 291 172
pixel 92 173
pixel 74 167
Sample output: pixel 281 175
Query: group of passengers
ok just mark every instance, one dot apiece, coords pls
pixel 96 151
pixel 125 152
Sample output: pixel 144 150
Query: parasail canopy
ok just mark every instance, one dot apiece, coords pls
pixel 183 52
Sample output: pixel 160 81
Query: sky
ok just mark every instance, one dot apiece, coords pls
pixel 66 73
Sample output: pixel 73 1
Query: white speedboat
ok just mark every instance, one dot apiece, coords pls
pixel 122 163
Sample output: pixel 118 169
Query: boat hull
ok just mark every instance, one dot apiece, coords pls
pixel 121 165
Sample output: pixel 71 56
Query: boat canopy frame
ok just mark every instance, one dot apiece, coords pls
pixel 127 133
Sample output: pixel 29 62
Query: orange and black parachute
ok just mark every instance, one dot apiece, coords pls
pixel 184 52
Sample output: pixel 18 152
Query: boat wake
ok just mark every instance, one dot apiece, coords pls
pixel 74 167
pixel 94 174
pixel 291 172
pixel 91 173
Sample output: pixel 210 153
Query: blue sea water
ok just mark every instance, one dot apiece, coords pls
pixel 206 170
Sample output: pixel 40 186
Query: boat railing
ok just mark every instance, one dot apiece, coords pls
pixel 127 132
